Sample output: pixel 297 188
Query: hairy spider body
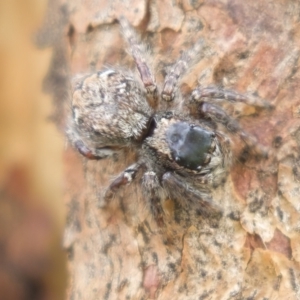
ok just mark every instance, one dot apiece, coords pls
pixel 110 111
pixel 182 156
pixel 187 147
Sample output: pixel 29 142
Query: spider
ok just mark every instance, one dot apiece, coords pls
pixel 181 155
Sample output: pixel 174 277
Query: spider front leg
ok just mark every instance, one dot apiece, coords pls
pixel 138 52
pixel 151 191
pixel 190 196
pixel 215 93
pixel 179 69
pixel 218 115
pixel 126 177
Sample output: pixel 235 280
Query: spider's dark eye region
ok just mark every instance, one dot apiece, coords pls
pixel 189 144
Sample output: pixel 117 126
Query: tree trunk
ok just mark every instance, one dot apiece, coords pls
pixel 116 249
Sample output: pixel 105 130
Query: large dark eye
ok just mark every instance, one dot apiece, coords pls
pixel 190 145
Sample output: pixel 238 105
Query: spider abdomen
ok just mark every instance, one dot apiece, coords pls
pixel 110 109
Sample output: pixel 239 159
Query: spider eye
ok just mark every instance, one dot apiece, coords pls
pixel 190 145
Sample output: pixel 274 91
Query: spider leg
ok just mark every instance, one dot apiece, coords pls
pixel 187 195
pixel 124 178
pixel 151 192
pixel 138 52
pixel 178 70
pixel 87 152
pixel 218 115
pixel 83 149
pixel 215 93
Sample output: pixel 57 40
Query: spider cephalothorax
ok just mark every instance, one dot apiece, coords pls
pixel 179 153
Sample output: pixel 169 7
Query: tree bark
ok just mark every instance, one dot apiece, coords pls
pixel 117 250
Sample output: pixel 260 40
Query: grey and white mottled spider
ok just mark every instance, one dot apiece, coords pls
pixel 182 156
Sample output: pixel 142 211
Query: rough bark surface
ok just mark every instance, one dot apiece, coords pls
pixel 116 250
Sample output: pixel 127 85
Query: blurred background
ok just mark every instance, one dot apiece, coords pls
pixel 32 261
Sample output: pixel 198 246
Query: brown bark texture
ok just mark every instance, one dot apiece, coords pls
pixel 116 249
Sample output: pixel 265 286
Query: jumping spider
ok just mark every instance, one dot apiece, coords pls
pixel 181 155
